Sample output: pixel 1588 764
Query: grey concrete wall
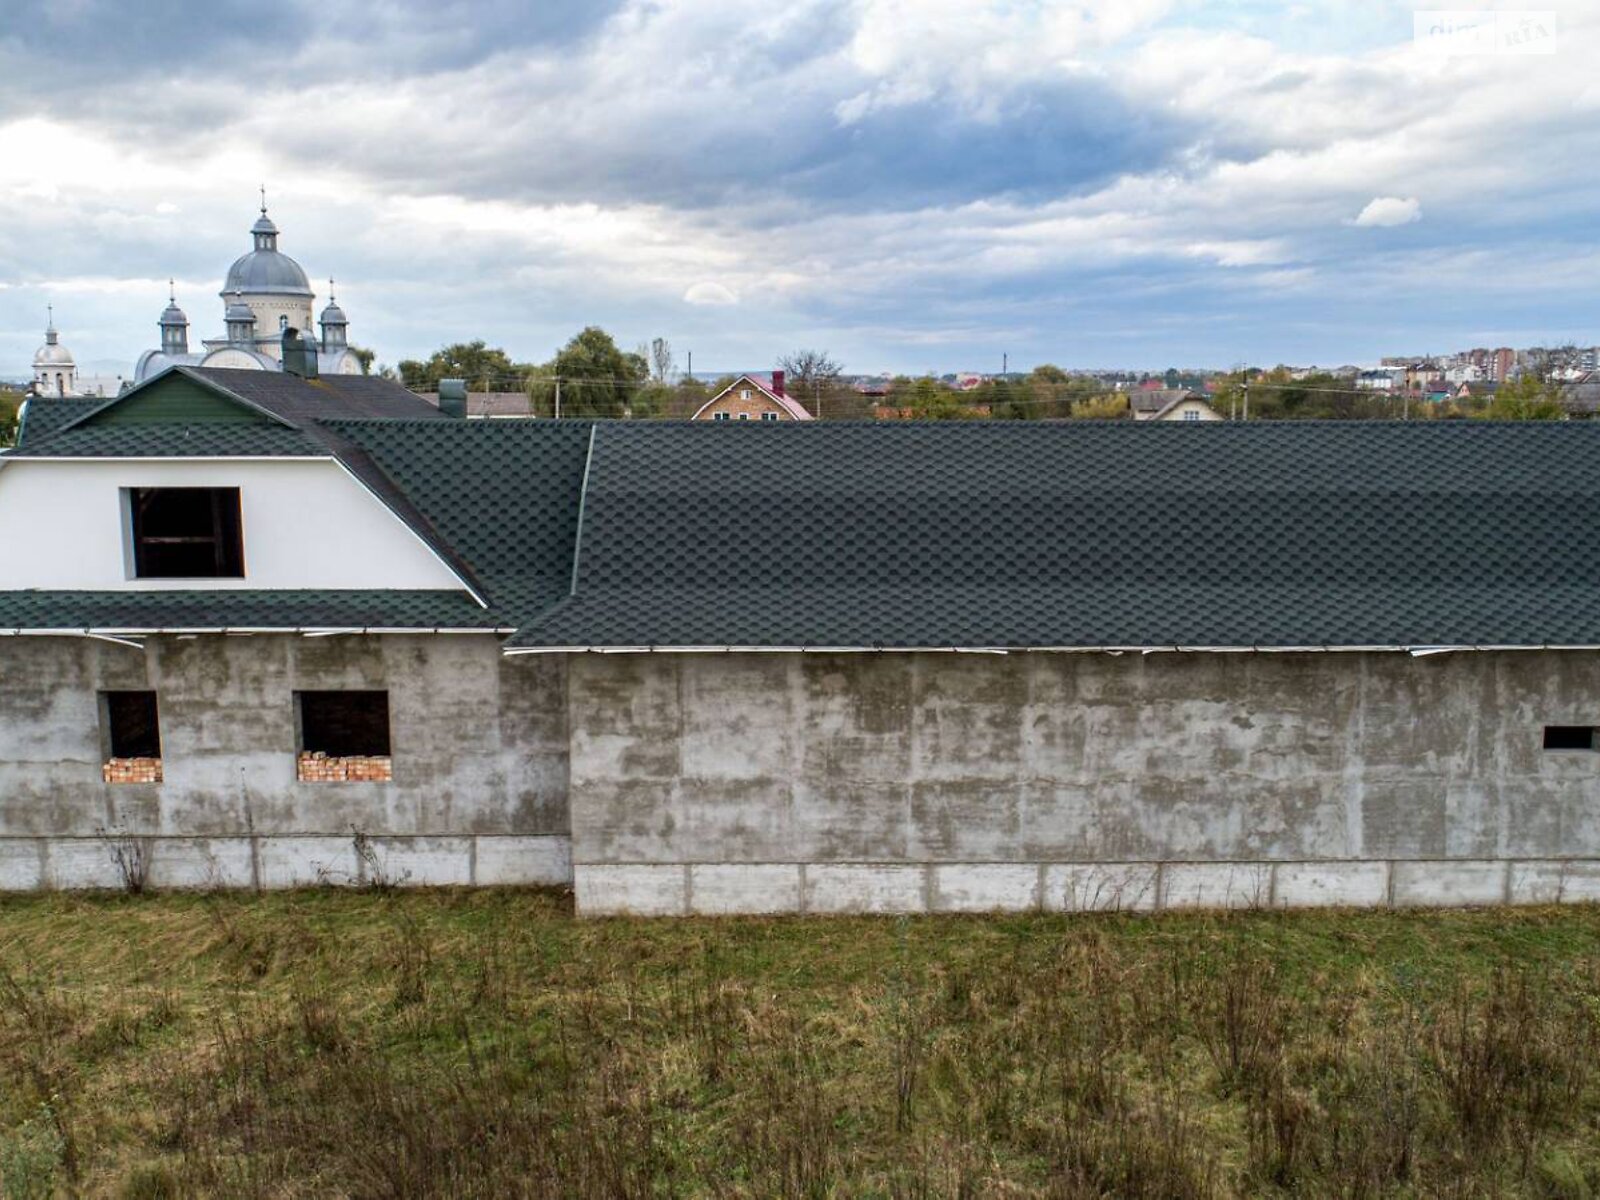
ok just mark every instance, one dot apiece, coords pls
pixel 919 782
pixel 479 744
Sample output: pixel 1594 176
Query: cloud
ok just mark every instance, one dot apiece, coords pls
pixel 709 292
pixel 1078 181
pixel 1383 212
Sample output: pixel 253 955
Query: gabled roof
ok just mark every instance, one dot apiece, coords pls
pixel 1158 400
pixel 328 397
pixel 971 535
pixel 789 405
pixel 255 414
pixel 1186 398
pixel 271 397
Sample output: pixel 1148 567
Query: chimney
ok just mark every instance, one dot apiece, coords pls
pixel 777 383
pixel 453 397
pixel 299 354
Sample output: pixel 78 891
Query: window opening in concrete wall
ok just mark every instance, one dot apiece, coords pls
pixel 132 738
pixel 1569 737
pixel 186 533
pixel 343 737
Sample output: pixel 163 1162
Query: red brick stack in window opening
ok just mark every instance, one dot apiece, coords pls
pixel 131 770
pixel 316 767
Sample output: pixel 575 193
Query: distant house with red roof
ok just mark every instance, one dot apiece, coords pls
pixel 753 398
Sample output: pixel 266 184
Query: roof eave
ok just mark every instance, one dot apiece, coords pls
pixel 1416 650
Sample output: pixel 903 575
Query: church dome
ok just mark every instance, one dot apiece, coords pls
pixel 237 309
pixel 266 271
pixel 52 353
pixel 333 314
pixel 172 315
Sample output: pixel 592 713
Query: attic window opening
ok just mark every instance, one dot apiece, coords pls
pixel 1571 737
pixel 186 533
pixel 132 729
pixel 344 737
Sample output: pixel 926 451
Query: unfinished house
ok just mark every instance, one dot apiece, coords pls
pixel 267 630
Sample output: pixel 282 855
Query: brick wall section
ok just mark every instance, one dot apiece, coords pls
pixel 131 770
pixel 316 767
pixel 733 405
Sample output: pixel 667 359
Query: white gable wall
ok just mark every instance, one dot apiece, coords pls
pixel 307 524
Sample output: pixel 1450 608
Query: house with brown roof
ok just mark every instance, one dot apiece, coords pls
pixel 753 398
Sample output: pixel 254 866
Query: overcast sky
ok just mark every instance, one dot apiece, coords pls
pixel 910 184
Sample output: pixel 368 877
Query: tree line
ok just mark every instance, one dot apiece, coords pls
pixel 591 376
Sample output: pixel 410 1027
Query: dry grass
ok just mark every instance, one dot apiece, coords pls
pixel 343 1043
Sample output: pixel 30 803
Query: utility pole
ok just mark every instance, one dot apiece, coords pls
pixel 690 372
pixel 1005 363
pixel 558 397
pixel 1247 396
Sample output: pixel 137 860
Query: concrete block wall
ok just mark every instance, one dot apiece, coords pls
pixel 826 782
pixel 701 889
pixel 479 764
pixel 951 782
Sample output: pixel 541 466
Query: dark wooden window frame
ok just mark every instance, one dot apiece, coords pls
pixel 178 550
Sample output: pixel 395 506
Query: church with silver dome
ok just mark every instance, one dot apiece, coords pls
pixel 265 293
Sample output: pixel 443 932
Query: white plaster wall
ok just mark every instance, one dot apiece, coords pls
pixel 307 524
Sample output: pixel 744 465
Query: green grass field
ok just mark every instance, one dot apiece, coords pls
pixel 332 1043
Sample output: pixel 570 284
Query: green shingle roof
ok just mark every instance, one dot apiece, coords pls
pixel 243 440
pixel 502 495
pixel 1014 535
pixel 971 535
pixel 242 609
pixel 45 415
